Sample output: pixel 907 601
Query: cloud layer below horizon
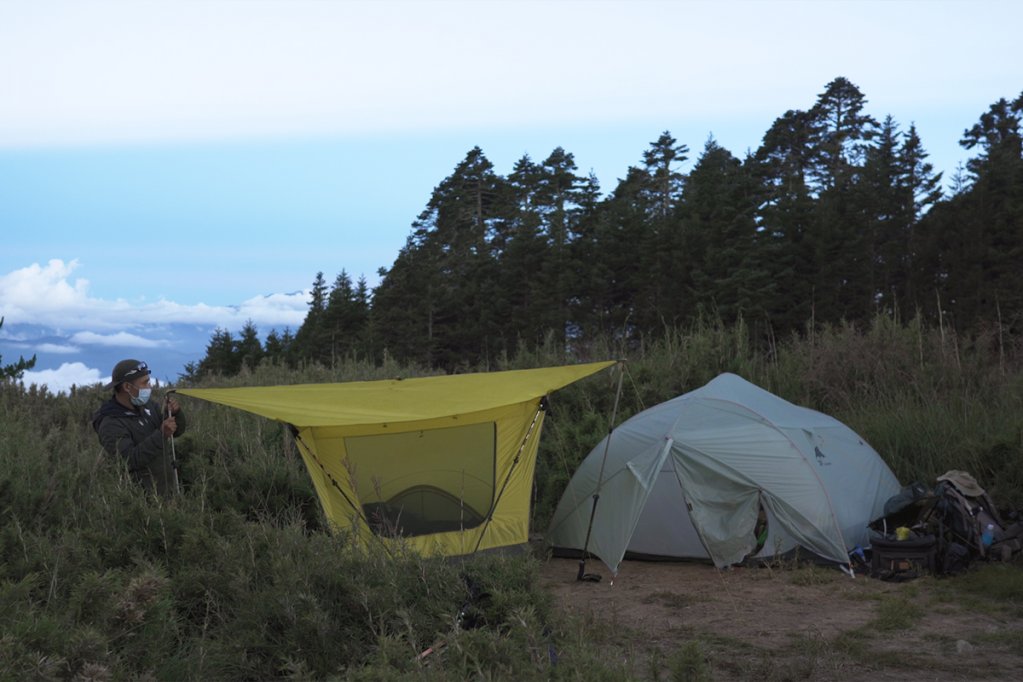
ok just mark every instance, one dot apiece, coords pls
pixel 47 295
pixel 48 311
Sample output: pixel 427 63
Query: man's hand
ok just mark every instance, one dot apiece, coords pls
pixel 172 405
pixel 168 427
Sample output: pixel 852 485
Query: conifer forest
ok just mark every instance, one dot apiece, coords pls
pixel 835 218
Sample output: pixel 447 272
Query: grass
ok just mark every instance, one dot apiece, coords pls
pixel 689 664
pixel 1011 640
pixel 993 588
pixel 896 613
pixel 672 600
pixel 813 574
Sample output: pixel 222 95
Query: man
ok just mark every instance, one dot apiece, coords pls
pixel 130 425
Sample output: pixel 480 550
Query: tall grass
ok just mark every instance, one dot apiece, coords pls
pixel 235 579
pixel 238 578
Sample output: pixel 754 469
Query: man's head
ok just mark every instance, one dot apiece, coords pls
pixel 129 371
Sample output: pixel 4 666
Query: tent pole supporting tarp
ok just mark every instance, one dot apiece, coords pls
pixel 173 455
pixel 540 408
pixel 356 509
pixel 600 476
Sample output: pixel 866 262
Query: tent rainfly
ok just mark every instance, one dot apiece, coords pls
pixel 693 477
pixel 441 464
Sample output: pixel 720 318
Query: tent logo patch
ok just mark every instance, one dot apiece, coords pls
pixel 821 457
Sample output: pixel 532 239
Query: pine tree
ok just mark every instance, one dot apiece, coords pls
pixel 918 174
pixel 661 162
pixel 841 134
pixel 288 347
pixel 358 316
pixel 665 298
pixel 980 230
pixel 312 338
pixel 558 197
pixel 841 139
pixel 886 205
pixel 248 348
pixel 222 357
pixel 345 318
pixel 919 263
pixel 15 370
pixel 447 272
pixel 787 220
pixel 721 246
pixel 521 248
pixel 404 304
pixel 619 281
pixel 584 253
pixel 278 347
pixel 273 348
pixel 460 220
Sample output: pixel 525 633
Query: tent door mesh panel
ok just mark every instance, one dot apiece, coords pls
pixel 422 482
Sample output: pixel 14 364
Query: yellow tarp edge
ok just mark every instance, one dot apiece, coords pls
pixel 395 400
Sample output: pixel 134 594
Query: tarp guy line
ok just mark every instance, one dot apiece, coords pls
pixel 357 510
pixel 515 462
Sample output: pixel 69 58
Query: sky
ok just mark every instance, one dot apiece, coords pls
pixel 167 168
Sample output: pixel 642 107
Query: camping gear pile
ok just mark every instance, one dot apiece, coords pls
pixel 942 529
pixel 727 472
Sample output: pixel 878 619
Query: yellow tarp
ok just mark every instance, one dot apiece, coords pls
pixel 443 464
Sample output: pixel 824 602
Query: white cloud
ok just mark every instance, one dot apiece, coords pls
pixel 47 295
pixel 42 289
pixel 120 340
pixel 11 336
pixel 57 349
pixel 289 309
pixel 61 380
pixel 271 310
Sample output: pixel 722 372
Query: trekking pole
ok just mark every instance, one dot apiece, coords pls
pixel 174 458
pixel 600 479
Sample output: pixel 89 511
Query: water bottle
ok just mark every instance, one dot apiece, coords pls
pixel 988 536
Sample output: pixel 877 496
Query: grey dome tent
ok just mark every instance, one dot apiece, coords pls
pixel 688 479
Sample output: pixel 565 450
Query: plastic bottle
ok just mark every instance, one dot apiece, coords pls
pixel 988 536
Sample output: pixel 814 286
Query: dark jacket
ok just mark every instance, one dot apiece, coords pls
pixel 134 435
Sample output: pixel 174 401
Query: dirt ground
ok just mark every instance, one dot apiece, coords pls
pixel 786 623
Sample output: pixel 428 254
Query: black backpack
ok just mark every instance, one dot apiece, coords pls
pixel 972 523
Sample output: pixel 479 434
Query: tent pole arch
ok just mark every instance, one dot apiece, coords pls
pixel 600 476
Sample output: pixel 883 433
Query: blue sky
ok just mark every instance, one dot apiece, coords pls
pixel 170 167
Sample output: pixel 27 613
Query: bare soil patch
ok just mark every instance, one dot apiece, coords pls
pixel 787 623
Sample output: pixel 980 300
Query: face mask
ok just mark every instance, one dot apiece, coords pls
pixel 142 398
